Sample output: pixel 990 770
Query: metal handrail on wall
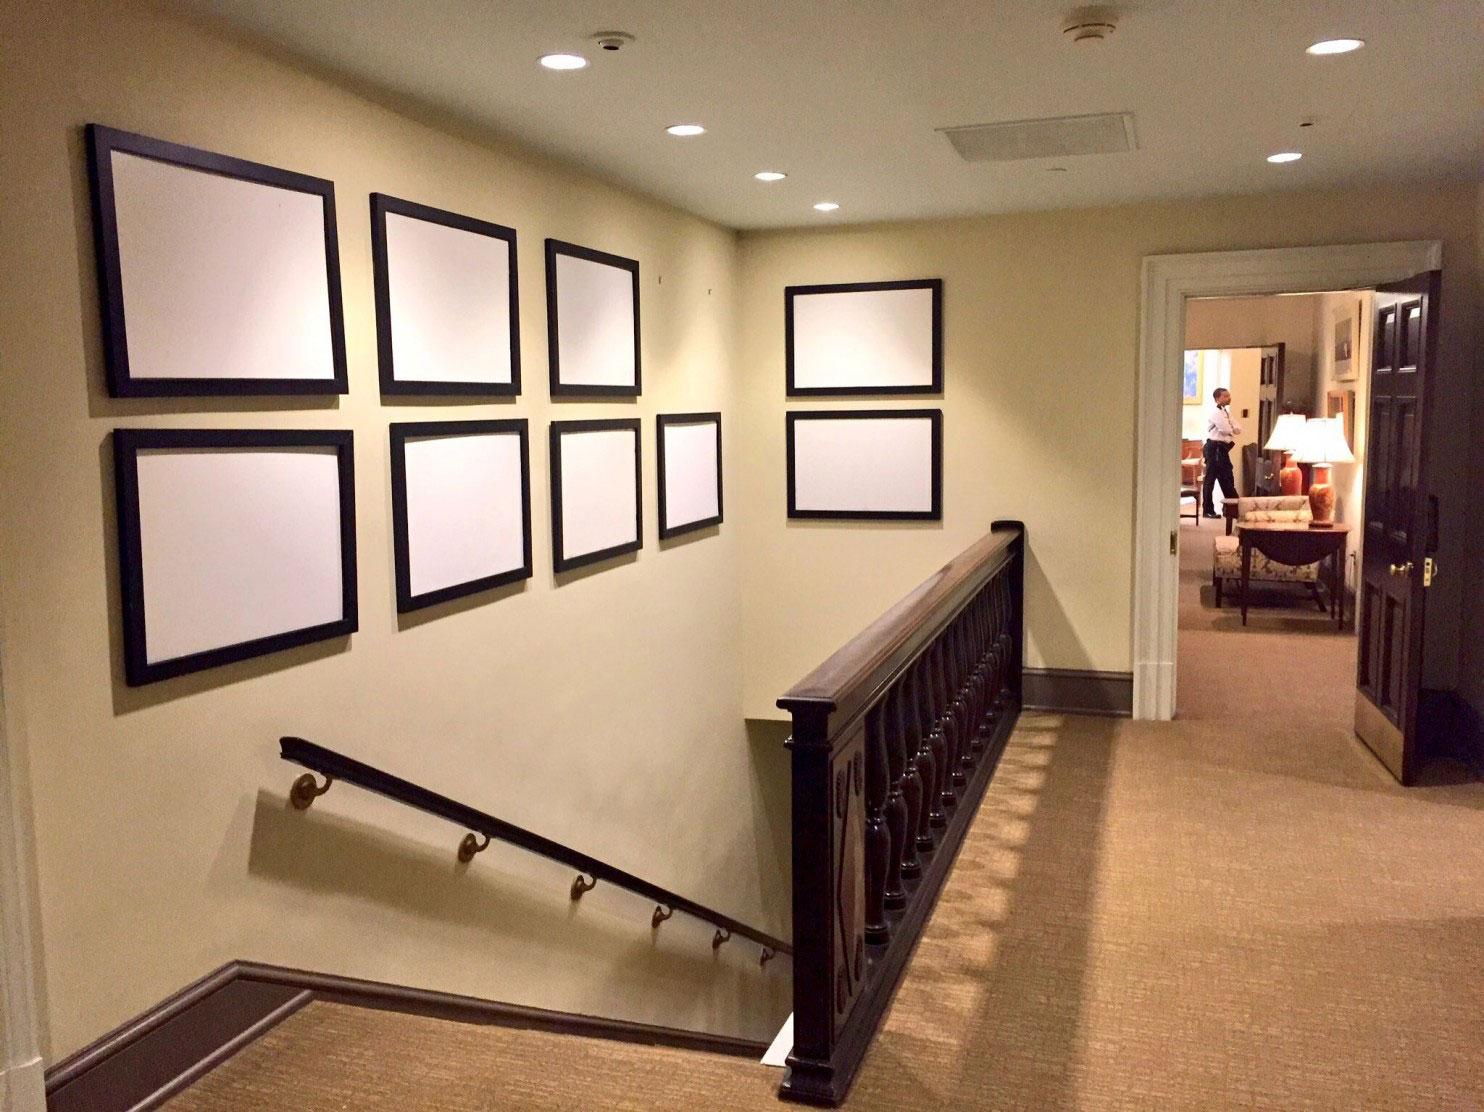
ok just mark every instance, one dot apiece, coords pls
pixel 484 828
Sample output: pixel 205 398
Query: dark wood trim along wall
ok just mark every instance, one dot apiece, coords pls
pixel 1073 691
pixel 150 1059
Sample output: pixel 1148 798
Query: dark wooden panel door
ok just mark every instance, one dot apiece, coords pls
pixel 1398 524
pixel 1269 405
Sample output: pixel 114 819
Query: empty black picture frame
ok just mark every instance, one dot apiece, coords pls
pixel 935 387
pixel 664 421
pixel 400 433
pixel 381 205
pixel 127 444
pixel 935 513
pixel 559 389
pixel 102 142
pixel 560 561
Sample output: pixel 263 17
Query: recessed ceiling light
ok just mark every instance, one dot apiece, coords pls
pixel 563 61
pixel 1285 156
pixel 1335 46
pixel 684 130
pixel 770 175
pixel 826 206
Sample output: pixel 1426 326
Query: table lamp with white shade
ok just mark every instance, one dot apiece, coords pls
pixel 1287 435
pixel 1323 445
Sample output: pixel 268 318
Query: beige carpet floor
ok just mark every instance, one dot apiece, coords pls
pixel 1239 909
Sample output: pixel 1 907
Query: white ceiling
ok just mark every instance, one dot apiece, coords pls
pixel 845 95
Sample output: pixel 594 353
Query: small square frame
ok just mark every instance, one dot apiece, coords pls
pixel 664 421
pixel 400 432
pixel 383 205
pixel 560 561
pixel 559 389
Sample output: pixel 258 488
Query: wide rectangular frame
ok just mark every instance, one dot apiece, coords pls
pixel 555 247
pixel 792 417
pixel 663 421
pixel 934 387
pixel 127 444
pixel 102 141
pixel 383 204
pixel 399 433
pixel 559 428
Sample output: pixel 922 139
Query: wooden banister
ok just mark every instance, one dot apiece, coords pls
pixel 895 738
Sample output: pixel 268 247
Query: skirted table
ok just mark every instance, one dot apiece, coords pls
pixel 1297 543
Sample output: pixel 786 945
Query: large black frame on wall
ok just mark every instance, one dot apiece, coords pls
pixel 383 205
pixel 571 385
pixel 674 420
pixel 872 470
pixel 561 561
pixel 841 292
pixel 400 433
pixel 128 444
pixel 122 377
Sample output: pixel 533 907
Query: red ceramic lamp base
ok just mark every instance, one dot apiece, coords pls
pixel 1290 478
pixel 1322 497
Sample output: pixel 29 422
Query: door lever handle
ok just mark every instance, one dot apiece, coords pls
pixel 1402 569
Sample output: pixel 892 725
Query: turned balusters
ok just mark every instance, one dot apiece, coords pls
pixel 895 812
pixel 932 742
pixel 919 775
pixel 877 837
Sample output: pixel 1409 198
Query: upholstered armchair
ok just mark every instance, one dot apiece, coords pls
pixel 1227 562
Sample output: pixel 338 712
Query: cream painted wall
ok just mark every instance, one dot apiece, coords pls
pixel 602 709
pixel 1349 478
pixel 1041 334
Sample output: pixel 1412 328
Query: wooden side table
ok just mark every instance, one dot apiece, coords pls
pixel 1296 544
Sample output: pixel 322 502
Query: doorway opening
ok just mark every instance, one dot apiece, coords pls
pixel 1267 591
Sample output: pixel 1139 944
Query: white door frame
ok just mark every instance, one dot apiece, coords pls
pixel 22 1086
pixel 1167 281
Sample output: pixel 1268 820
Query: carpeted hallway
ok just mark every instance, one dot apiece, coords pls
pixel 1222 912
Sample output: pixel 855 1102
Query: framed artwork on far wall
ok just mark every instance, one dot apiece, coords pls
pixel 461 508
pixel 688 460
pixel 865 464
pixel 592 322
pixel 1192 378
pixel 447 302
pixel 215 275
pixel 233 543
pixel 596 512
pixel 1347 324
pixel 864 338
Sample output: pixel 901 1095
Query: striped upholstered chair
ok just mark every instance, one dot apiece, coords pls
pixel 1227 563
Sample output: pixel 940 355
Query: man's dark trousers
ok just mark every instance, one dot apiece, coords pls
pixel 1218 456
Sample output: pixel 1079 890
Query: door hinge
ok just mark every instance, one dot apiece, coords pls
pixel 1174 542
pixel 1429 571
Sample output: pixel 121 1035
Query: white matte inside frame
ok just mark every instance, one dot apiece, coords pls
pixel 237 544
pixel 450 302
pixel 691 469
pixel 465 509
pixel 595 323
pixel 222 278
pixel 599 500
pixel 863 338
pixel 879 464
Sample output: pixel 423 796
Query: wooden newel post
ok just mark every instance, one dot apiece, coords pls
pixel 829 828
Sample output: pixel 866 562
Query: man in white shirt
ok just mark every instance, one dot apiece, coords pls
pixel 1222 431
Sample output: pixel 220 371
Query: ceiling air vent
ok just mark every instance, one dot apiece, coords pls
pixel 1107 133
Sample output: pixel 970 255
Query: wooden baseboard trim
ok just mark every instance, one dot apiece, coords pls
pixel 150 1059
pixel 1075 691
pixel 146 1061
